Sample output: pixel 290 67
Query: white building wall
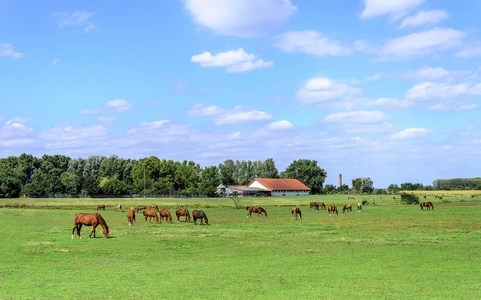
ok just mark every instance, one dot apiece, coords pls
pixel 289 193
pixel 257 184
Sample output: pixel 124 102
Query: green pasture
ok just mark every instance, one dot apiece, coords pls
pixel 389 251
pixel 171 203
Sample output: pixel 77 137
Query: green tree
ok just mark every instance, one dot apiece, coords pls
pixel 329 188
pixel 145 172
pixel 10 180
pixel 308 172
pixel 356 184
pixel 227 171
pixel 367 185
pixel 209 180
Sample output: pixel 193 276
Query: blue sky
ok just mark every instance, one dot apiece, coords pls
pixel 385 89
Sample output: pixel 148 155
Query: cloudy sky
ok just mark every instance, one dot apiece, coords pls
pixel 385 89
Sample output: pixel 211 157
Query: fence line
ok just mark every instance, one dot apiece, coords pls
pixel 120 196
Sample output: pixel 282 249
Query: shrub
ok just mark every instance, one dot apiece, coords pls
pixel 408 198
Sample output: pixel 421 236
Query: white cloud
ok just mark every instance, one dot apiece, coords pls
pixel 280 125
pixel 310 42
pixel 421 44
pixel 249 65
pixel 199 110
pixel 427 73
pixel 77 18
pixel 430 17
pixel 454 106
pixel 470 50
pixel 235 61
pixel 390 103
pixel 91 111
pixel 413 133
pixel 242 116
pixel 433 91
pixel 327 92
pixel 118 105
pixel 395 9
pixel 357 117
pixel 247 18
pixel 359 122
pixel 7 50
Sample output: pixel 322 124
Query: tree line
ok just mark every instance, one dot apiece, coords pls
pixel 60 174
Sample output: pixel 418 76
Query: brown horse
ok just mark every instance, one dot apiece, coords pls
pixel 359 207
pixel 347 207
pixel 183 212
pixel 141 207
pixel 258 210
pixel 332 209
pixel 155 207
pixel 100 207
pixel 149 213
pixel 165 213
pixel 428 205
pixel 199 214
pixel 131 216
pixel 295 211
pixel 321 204
pixel 313 206
pixel 90 220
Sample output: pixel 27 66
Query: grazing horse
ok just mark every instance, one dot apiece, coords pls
pixel 199 214
pixel 153 206
pixel 90 220
pixel 100 207
pixel 131 216
pixel 332 209
pixel 119 208
pixel 347 207
pixel 428 205
pixel 165 213
pixel 183 212
pixel 295 211
pixel 359 207
pixel 149 213
pixel 141 207
pixel 313 206
pixel 258 210
pixel 321 204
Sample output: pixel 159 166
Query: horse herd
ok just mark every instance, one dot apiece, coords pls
pixel 96 219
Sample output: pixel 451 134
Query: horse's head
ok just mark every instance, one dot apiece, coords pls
pixel 247 208
pixel 106 232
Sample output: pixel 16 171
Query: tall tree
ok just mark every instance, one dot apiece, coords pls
pixel 209 180
pixel 308 172
pixel 227 171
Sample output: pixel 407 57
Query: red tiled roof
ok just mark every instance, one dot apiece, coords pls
pixel 275 184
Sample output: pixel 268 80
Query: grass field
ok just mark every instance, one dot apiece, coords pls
pixel 389 251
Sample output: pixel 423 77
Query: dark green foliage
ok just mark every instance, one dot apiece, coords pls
pixel 308 172
pixel 408 198
pixel 457 184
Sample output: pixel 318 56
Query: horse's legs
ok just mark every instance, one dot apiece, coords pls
pixel 93 230
pixel 73 231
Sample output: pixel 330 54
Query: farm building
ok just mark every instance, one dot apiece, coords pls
pixel 267 187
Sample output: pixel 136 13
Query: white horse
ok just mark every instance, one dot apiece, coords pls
pixel 119 208
pixel 359 207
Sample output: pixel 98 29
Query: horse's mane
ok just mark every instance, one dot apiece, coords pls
pixel 102 222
